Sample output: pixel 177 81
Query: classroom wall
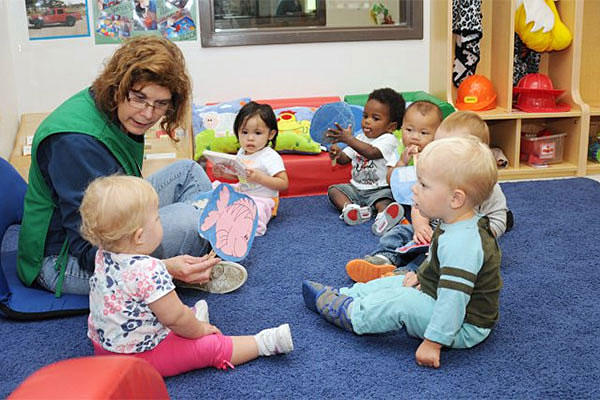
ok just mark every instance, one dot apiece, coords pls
pixel 8 97
pixel 38 75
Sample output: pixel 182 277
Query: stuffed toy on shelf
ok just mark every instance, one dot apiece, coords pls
pixel 539 26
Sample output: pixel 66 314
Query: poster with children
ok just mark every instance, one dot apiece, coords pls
pixel 117 20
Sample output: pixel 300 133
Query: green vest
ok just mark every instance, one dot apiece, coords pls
pixel 78 114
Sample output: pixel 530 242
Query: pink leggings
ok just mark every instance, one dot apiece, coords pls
pixel 264 207
pixel 176 355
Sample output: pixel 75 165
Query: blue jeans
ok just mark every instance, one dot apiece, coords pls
pixel 177 186
pixel 396 237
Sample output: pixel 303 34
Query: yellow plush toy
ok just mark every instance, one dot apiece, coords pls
pixel 539 26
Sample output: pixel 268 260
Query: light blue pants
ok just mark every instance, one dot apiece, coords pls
pixel 384 305
pixel 177 186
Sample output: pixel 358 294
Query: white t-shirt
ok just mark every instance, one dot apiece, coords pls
pixel 266 160
pixel 371 174
pixel 121 288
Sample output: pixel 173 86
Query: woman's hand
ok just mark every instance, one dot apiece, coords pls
pixel 191 269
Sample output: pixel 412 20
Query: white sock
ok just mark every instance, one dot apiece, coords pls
pixel 201 311
pixel 274 341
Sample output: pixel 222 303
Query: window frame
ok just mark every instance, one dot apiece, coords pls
pixel 412 29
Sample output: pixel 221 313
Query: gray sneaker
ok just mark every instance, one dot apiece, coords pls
pixel 378 259
pixel 225 277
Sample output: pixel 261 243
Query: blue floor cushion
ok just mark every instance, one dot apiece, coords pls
pixel 18 301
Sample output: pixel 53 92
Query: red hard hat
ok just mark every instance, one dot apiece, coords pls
pixel 535 93
pixel 476 93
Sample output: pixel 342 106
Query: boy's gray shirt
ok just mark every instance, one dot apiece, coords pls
pixel 495 209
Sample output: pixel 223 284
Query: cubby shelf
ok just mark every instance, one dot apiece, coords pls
pixel 575 70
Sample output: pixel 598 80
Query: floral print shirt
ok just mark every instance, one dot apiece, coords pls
pixel 121 288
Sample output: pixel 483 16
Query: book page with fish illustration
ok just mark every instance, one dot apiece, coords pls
pixel 228 222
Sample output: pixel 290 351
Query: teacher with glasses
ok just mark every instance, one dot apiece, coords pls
pixel 99 132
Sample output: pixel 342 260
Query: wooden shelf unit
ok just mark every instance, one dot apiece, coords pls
pixel 572 69
pixel 590 73
pixel 593 168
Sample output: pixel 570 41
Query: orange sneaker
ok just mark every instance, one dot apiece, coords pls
pixel 360 270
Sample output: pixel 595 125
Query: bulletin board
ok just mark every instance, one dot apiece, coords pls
pixel 117 20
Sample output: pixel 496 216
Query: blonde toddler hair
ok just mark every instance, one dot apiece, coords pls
pixel 468 164
pixel 462 123
pixel 113 208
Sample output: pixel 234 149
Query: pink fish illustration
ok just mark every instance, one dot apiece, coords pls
pixel 233 224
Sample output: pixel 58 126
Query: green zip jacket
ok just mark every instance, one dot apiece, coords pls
pixel 78 114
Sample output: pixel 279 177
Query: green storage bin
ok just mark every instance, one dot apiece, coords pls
pixel 409 97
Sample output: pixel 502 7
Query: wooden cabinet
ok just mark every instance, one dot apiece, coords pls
pixel 575 69
pixel 590 74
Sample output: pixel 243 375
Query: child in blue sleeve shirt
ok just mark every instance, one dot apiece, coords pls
pixel 452 300
pixel 404 246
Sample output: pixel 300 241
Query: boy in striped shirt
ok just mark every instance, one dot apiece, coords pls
pixel 452 299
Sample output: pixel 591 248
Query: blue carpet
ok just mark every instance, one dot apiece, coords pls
pixel 545 345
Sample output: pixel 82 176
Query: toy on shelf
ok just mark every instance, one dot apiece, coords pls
pixel 535 93
pixel 380 15
pixel 594 149
pixel 541 148
pixel 501 159
pixel 539 26
pixel 476 93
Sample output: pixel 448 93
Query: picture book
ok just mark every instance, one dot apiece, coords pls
pixel 228 162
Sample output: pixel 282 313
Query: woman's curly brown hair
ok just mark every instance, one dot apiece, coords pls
pixel 145 60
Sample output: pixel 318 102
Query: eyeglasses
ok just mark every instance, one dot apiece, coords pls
pixel 138 102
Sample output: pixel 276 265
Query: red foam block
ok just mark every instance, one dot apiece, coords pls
pixel 98 377
pixel 309 175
